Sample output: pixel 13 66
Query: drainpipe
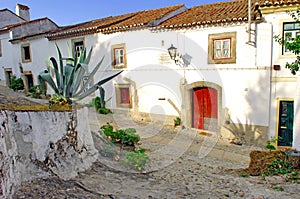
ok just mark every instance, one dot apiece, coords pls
pixel 271 85
pixel 249 21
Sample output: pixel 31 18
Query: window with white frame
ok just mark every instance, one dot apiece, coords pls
pixel 290 30
pixel 119 56
pixel 222 48
pixel 25 53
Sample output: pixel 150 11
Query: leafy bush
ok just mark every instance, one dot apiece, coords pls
pixel 35 91
pixel 127 137
pixel 16 83
pixel 271 143
pixel 98 105
pixel 137 159
pixel 177 121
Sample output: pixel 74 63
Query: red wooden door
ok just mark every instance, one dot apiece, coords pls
pixel 205 102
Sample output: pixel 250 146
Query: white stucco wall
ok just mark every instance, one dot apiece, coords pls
pixel 156 76
pixel 284 84
pixel 31 141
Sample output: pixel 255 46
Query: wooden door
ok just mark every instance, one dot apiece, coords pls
pixel 285 125
pixel 205 107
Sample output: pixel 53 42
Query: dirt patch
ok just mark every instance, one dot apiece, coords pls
pixel 260 161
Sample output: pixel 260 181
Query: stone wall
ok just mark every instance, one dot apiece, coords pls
pixel 38 144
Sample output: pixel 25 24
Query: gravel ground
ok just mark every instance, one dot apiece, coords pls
pixel 182 164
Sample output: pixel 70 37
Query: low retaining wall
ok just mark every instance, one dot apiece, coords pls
pixel 37 144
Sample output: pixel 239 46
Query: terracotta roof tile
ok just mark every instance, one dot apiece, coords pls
pixel 217 13
pixel 143 19
pixel 114 24
pixel 278 3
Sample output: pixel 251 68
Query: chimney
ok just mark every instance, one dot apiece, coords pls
pixel 23 12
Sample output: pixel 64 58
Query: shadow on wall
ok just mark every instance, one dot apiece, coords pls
pixel 253 130
pixel 245 134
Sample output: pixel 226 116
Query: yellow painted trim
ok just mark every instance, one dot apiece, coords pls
pixel 274 9
pixel 284 79
pixel 277 113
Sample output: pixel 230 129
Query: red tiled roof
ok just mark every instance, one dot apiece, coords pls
pixel 111 24
pixel 87 27
pixel 210 14
pixel 142 19
pixel 278 3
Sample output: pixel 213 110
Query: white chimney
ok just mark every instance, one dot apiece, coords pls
pixel 23 12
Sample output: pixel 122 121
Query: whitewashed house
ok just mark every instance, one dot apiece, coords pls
pixel 23 45
pixel 227 81
pixel 284 95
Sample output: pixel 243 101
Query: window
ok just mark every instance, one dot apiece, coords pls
pixel 290 30
pixel 0 49
pixel 222 48
pixel 119 56
pixel 123 96
pixel 77 46
pixel 26 54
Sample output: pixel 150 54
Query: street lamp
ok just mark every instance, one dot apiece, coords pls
pixel 172 52
pixel 182 61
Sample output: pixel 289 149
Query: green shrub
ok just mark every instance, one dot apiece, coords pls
pixel 16 83
pixel 137 159
pixel 35 91
pixel 127 137
pixel 177 121
pixel 279 166
pixel 271 143
pixel 98 104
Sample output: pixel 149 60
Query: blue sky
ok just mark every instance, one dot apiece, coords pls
pixel 67 12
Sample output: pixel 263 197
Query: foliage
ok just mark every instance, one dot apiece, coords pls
pixel 291 44
pixel 177 121
pixel 35 91
pixel 127 137
pixel 69 72
pixel 58 100
pixel 137 159
pixel 271 143
pixel 99 105
pixel 16 83
pixel 279 167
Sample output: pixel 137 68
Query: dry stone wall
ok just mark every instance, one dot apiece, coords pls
pixel 37 144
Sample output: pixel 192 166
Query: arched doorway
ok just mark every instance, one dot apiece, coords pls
pixel 205 108
pixel 205 105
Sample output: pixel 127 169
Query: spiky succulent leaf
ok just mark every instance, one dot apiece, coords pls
pixel 79 96
pixel 45 76
pixel 54 68
pixel 60 86
pixel 91 75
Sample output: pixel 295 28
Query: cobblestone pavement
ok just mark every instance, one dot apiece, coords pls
pixel 187 175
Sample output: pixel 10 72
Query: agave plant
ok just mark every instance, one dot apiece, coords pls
pixel 68 79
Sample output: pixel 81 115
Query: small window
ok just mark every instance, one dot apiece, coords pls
pixel 26 54
pixel 77 46
pixel 119 56
pixel 0 49
pixel 222 48
pixel 123 96
pixel 291 30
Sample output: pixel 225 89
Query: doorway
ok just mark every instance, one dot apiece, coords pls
pixel 285 123
pixel 205 108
